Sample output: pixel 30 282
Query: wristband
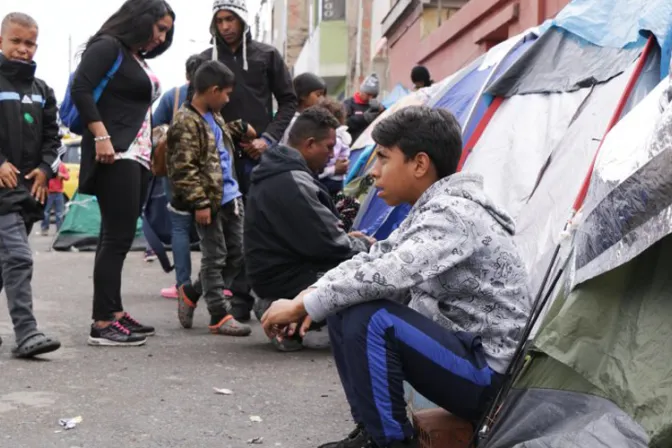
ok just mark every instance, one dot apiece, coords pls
pixel 102 138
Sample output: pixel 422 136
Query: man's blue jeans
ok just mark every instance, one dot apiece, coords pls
pixel 180 241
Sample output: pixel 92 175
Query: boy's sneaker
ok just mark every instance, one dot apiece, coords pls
pixel 150 256
pixel 136 327
pixel 115 335
pixel 230 327
pixel 185 308
pixel 358 438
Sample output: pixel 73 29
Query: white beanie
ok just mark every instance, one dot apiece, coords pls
pixel 239 8
pixel 371 85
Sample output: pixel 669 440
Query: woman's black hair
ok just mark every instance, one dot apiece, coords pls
pixel 133 25
pixel 210 74
pixel 193 63
pixel 419 73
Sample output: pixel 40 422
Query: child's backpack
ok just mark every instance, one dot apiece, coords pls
pixel 69 113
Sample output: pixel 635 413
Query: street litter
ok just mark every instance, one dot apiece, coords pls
pixel 69 423
pixel 255 418
pixel 223 391
pixel 256 441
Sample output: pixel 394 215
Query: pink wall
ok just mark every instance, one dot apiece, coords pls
pixel 468 34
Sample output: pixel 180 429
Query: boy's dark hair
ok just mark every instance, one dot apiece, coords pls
pixel 133 24
pixel 192 64
pixel 335 107
pixel 212 74
pixel 17 18
pixel 417 129
pixel 313 122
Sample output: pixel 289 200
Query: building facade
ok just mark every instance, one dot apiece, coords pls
pixel 446 35
pixel 337 46
pixel 289 27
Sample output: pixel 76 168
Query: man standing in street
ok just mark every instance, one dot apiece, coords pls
pixel 261 74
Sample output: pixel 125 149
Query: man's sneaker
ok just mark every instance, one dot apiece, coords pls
pixel 358 438
pixel 230 327
pixel 115 335
pixel 136 327
pixel 185 308
pixel 169 293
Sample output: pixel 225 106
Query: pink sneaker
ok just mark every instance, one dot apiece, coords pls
pixel 169 293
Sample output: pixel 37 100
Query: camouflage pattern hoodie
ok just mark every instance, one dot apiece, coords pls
pixel 194 168
pixel 452 259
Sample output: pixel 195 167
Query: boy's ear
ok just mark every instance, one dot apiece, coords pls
pixel 423 164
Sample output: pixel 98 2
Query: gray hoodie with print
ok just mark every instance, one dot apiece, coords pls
pixel 454 258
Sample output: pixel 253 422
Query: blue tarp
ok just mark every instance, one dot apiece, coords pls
pixel 378 219
pixel 395 95
pixel 619 23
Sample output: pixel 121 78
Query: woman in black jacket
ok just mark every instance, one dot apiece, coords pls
pixel 116 148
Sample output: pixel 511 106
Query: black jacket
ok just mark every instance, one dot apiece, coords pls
pixel 28 133
pixel 122 106
pixel 359 116
pixel 252 97
pixel 292 231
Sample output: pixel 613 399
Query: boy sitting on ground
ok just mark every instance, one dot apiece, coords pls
pixel 199 159
pixel 292 231
pixel 441 303
pixel 29 145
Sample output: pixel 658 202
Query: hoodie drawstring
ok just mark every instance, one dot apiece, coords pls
pixel 215 52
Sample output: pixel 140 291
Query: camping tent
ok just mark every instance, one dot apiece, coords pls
pixel 81 226
pixel 599 370
pixel 462 94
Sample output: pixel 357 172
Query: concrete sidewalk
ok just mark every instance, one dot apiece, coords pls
pixel 159 395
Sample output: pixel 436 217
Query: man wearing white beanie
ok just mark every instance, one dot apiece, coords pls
pixel 261 74
pixel 363 108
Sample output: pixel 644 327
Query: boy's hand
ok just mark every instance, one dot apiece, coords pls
pixel 39 190
pixel 342 166
pixel 251 132
pixel 282 313
pixel 358 234
pixel 204 216
pixel 8 174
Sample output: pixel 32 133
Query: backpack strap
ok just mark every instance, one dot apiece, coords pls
pixel 176 102
pixel 108 76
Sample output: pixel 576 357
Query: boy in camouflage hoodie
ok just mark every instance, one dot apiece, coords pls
pixel 199 159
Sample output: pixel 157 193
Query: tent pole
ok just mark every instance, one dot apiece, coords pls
pixel 539 305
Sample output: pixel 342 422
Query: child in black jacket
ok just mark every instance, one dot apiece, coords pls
pixel 29 145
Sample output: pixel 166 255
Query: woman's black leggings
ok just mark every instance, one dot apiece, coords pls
pixel 121 189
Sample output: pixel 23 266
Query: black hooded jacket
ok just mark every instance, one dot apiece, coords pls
pixel 252 97
pixel 292 231
pixel 28 134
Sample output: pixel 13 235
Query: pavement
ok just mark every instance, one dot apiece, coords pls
pixel 159 395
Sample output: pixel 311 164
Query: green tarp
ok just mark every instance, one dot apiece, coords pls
pixel 81 226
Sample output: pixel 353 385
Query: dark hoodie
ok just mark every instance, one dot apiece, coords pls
pixel 28 134
pixel 252 98
pixel 292 231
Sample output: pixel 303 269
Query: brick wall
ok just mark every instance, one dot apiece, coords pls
pixel 297 29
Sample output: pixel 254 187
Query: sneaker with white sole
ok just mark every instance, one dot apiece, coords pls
pixel 115 335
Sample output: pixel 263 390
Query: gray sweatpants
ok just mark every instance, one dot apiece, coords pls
pixel 16 262
pixel 221 255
